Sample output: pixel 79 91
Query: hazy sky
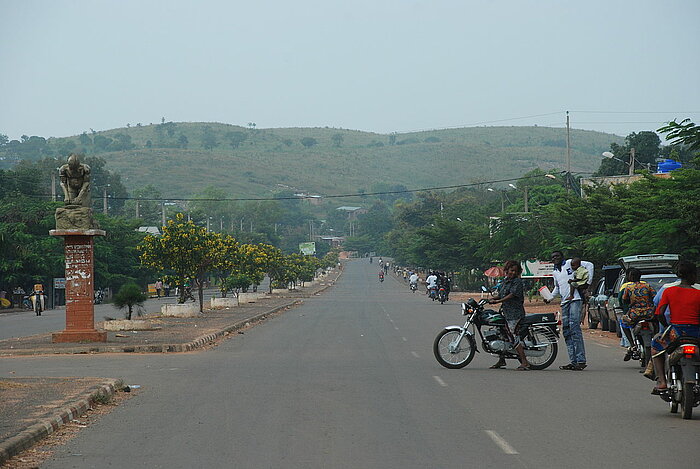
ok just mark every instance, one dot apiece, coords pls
pixel 376 65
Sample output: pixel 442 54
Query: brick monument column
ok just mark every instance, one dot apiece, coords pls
pixel 80 289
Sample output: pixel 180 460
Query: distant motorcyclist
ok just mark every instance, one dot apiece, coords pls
pixel 381 275
pixel 431 282
pixel 443 281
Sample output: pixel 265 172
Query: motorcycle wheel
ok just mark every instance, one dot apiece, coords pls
pixel 687 401
pixel 454 360
pixel 542 335
pixel 592 323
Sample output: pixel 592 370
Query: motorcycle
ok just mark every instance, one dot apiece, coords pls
pixel 642 333
pixel 455 346
pixel 381 278
pixel 442 295
pixel 683 377
pixel 432 293
pixel 413 286
pixel 99 296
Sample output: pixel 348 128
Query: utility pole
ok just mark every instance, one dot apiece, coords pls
pixel 137 209
pixel 162 213
pixel 631 169
pixel 53 187
pixel 104 200
pixel 568 153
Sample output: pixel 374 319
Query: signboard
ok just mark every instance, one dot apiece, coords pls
pixel 59 283
pixel 307 249
pixel 533 268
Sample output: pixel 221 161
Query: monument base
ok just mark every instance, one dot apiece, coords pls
pixel 78 336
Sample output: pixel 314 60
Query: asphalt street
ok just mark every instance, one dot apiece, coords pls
pixel 348 380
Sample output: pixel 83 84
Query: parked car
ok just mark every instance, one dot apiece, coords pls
pixel 598 312
pixel 657 270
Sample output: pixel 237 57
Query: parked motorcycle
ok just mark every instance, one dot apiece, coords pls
pixel 454 346
pixel 683 375
pixel 442 295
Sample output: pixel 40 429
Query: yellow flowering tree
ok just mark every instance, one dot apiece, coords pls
pixel 252 262
pixel 227 262
pixel 185 249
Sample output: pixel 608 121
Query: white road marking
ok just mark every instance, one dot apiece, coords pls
pixel 415 354
pixel 603 345
pixel 404 339
pixel 396 328
pixel 503 444
pixel 440 381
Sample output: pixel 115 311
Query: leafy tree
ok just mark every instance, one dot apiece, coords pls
pixel 684 132
pixel 188 250
pixel 209 138
pixel 337 140
pixel 129 295
pixel 236 138
pixel 182 141
pixel 308 142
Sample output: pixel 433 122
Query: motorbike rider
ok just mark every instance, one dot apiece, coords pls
pixel 511 296
pixel 413 279
pixel 381 275
pixel 431 282
pixel 684 302
pixel 443 281
pixel 637 298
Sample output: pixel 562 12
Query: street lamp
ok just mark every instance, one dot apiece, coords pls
pixel 550 176
pixel 607 154
pixel 503 206
pixel 513 186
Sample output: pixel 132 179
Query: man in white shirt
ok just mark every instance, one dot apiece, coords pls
pixel 571 309
pixel 413 279
pixel 431 281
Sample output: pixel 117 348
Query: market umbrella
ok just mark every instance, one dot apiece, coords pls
pixel 496 271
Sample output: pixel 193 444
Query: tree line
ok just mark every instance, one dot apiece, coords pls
pixel 470 229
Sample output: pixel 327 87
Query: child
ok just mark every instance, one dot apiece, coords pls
pixel 580 281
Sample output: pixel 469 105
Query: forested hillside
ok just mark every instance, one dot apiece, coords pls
pixel 183 158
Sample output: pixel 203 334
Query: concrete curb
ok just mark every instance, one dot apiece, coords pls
pixel 28 437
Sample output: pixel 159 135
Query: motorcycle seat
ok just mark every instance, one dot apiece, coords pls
pixel 545 318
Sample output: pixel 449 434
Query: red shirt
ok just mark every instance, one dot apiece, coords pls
pixel 684 303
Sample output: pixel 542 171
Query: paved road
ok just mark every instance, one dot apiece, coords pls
pixel 348 380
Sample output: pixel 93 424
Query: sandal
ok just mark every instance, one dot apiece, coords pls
pixel 657 391
pixel 570 367
pixel 498 365
pixel 522 368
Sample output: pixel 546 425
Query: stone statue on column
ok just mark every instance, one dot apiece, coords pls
pixel 75 182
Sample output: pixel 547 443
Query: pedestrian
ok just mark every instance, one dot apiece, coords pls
pixel 159 287
pixel 571 309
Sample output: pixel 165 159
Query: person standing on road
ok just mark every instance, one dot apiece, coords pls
pixel 159 288
pixel 511 295
pixel 571 310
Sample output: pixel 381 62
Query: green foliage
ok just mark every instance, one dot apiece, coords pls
pixel 309 142
pixel 129 295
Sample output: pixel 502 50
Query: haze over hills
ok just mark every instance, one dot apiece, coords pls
pixel 183 158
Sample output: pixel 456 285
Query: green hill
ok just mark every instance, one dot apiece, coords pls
pixel 183 158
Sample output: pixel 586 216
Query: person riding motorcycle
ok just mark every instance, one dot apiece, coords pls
pixel 684 302
pixel 413 281
pixel 443 281
pixel 381 275
pixel 431 282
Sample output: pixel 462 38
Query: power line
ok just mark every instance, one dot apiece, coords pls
pixel 331 196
